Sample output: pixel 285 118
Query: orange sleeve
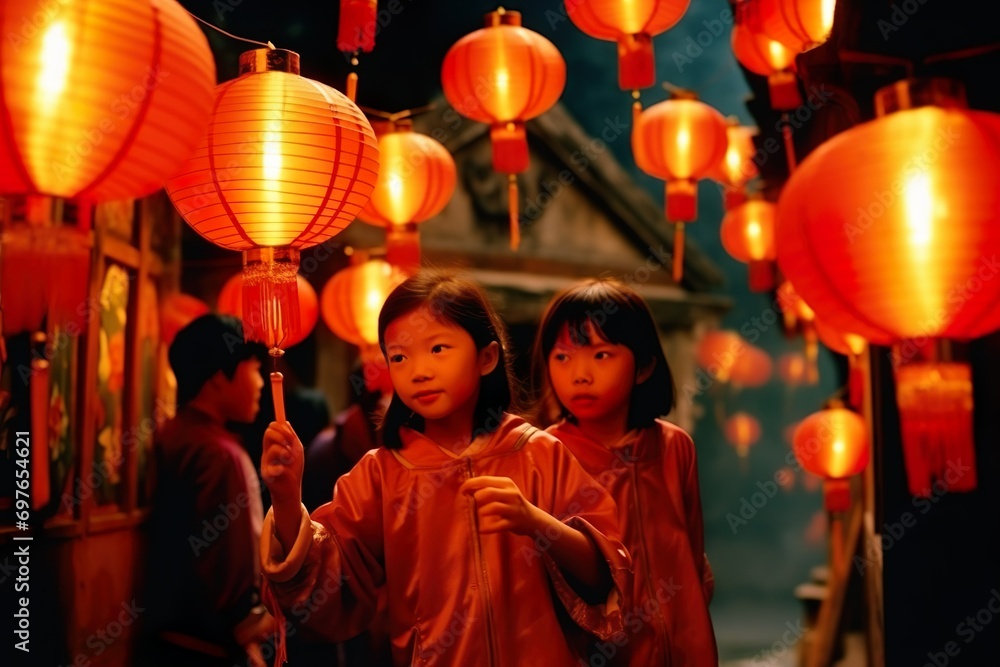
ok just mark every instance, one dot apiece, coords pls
pixel 566 491
pixel 328 581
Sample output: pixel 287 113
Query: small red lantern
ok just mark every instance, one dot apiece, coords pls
pixel 766 56
pixel 752 367
pixel 352 299
pixel 679 141
pixel 230 302
pixel 416 181
pixel 176 312
pixel 632 25
pixel 737 167
pixel 504 75
pixel 792 369
pixel 800 25
pixel 747 233
pixel 718 352
pixel 742 430
pixel 833 444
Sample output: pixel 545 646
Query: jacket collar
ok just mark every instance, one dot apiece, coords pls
pixel 419 451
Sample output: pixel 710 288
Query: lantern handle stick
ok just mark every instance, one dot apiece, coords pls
pixel 277 388
pixel 268 44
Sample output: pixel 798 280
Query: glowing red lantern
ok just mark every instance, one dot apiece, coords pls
pixel 766 56
pixel 737 167
pixel 679 140
pixel 752 367
pixel 891 252
pixel 800 25
pixel 287 164
pixel 101 100
pixel 792 369
pixel 230 302
pixel 833 444
pixel 747 233
pixel 416 181
pixel 632 25
pixel 352 299
pixel 503 75
pixel 718 352
pixel 742 430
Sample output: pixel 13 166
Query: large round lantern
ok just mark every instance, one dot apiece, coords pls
pixel 416 181
pixel 900 248
pixel 230 302
pixel 287 163
pixel 632 25
pixel 504 75
pixel 747 233
pixel 101 99
pixel 833 444
pixel 742 430
pixel 679 141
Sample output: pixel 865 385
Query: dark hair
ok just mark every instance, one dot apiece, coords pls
pixel 207 345
pixel 452 298
pixel 620 316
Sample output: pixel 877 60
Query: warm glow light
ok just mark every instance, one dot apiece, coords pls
pixel 918 196
pixel 55 63
pixel 827 9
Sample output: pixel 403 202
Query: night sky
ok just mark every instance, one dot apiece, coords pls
pixel 757 564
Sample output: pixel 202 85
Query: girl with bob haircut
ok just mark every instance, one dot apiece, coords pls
pixel 456 516
pixel 606 383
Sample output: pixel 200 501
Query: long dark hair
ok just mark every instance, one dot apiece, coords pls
pixel 453 298
pixel 620 316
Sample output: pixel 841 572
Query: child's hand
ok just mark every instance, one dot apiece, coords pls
pixel 281 465
pixel 500 506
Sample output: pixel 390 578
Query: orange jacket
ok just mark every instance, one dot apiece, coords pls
pixel 653 476
pixel 455 596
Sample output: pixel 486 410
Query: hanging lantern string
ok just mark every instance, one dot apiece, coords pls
pixel 268 44
pixel 397 115
pixel 351 89
pixel 636 105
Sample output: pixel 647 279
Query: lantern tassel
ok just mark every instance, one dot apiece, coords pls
pixel 513 206
pixel 935 411
pixel 270 296
pixel 678 252
pixel 636 63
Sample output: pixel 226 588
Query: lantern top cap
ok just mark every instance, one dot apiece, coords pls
pixel 269 60
pixel 920 92
pixel 502 17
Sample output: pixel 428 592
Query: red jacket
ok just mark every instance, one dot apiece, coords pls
pixel 653 476
pixel 455 596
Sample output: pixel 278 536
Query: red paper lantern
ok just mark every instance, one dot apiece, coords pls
pixel 352 299
pixel 742 430
pixel 766 56
pixel 679 141
pixel 287 163
pixel 504 75
pixel 632 25
pixel 718 351
pixel 747 233
pixel 896 251
pixel 230 302
pixel 416 181
pixel 737 167
pixel 800 25
pixel 792 369
pixel 101 100
pixel 833 444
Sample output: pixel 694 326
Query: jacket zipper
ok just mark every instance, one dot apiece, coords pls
pixel 661 625
pixel 484 586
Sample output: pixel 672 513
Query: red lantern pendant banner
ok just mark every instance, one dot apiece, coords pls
pixel 287 163
pixel 230 302
pixel 357 25
pixel 504 75
pixel 104 100
pixel 679 140
pixel 416 181
pixel 890 252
